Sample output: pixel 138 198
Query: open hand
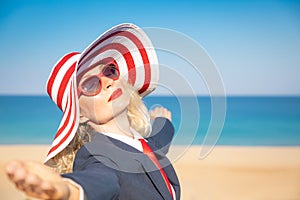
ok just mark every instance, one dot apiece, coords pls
pixel 37 180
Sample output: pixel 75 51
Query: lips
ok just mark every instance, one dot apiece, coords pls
pixel 115 94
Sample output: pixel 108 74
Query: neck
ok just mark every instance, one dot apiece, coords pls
pixel 118 125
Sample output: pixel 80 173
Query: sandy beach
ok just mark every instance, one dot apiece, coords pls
pixel 266 173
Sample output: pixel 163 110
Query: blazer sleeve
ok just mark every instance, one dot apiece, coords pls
pixel 97 180
pixel 162 134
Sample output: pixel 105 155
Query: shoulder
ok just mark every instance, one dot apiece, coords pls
pixel 96 151
pixel 109 152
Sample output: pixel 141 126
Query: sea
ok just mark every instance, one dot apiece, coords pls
pixel 245 121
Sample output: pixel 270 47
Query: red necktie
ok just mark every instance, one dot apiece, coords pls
pixel 148 151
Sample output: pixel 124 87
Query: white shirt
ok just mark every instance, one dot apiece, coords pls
pixel 134 142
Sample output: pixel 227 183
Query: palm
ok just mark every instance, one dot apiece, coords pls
pixel 37 180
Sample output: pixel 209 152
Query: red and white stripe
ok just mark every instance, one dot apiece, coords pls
pixel 125 45
pixel 60 87
pixel 133 53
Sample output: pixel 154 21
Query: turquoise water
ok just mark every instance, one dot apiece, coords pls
pixel 250 121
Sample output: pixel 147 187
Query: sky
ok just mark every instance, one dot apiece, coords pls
pixel 255 45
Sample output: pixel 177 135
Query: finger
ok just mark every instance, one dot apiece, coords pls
pixel 152 115
pixel 33 185
pixel 157 110
pixel 160 112
pixel 19 175
pixel 33 181
pixel 11 167
pixel 16 173
pixel 47 189
pixel 19 178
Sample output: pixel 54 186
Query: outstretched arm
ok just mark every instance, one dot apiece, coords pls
pixel 39 181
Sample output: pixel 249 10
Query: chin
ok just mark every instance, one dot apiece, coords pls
pixel 107 117
pixel 119 105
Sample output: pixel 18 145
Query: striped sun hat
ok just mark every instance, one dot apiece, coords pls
pixel 125 45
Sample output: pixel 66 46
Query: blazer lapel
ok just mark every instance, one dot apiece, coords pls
pixel 128 159
pixel 155 176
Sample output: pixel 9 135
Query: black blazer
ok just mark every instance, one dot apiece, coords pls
pixel 107 168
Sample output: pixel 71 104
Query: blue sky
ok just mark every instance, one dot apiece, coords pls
pixel 255 44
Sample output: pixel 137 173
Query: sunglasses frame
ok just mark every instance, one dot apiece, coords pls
pixel 81 91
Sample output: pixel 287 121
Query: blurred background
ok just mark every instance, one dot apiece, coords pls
pixel 255 46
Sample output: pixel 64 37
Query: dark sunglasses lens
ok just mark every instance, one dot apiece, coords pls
pixel 91 86
pixel 111 72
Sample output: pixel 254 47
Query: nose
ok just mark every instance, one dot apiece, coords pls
pixel 106 82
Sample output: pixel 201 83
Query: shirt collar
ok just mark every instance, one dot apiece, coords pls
pixel 134 142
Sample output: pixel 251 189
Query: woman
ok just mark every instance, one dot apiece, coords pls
pixel 99 150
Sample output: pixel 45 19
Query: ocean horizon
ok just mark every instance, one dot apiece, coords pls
pixel 250 120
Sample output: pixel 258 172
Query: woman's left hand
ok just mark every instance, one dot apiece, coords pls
pixel 160 112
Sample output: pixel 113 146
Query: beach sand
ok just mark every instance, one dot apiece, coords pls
pixel 262 173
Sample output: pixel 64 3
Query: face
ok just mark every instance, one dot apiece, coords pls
pixel 102 95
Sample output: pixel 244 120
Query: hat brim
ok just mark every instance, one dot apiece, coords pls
pixel 130 49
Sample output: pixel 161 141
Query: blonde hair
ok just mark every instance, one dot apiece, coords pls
pixel 139 120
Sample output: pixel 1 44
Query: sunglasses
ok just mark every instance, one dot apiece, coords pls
pixel 91 86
